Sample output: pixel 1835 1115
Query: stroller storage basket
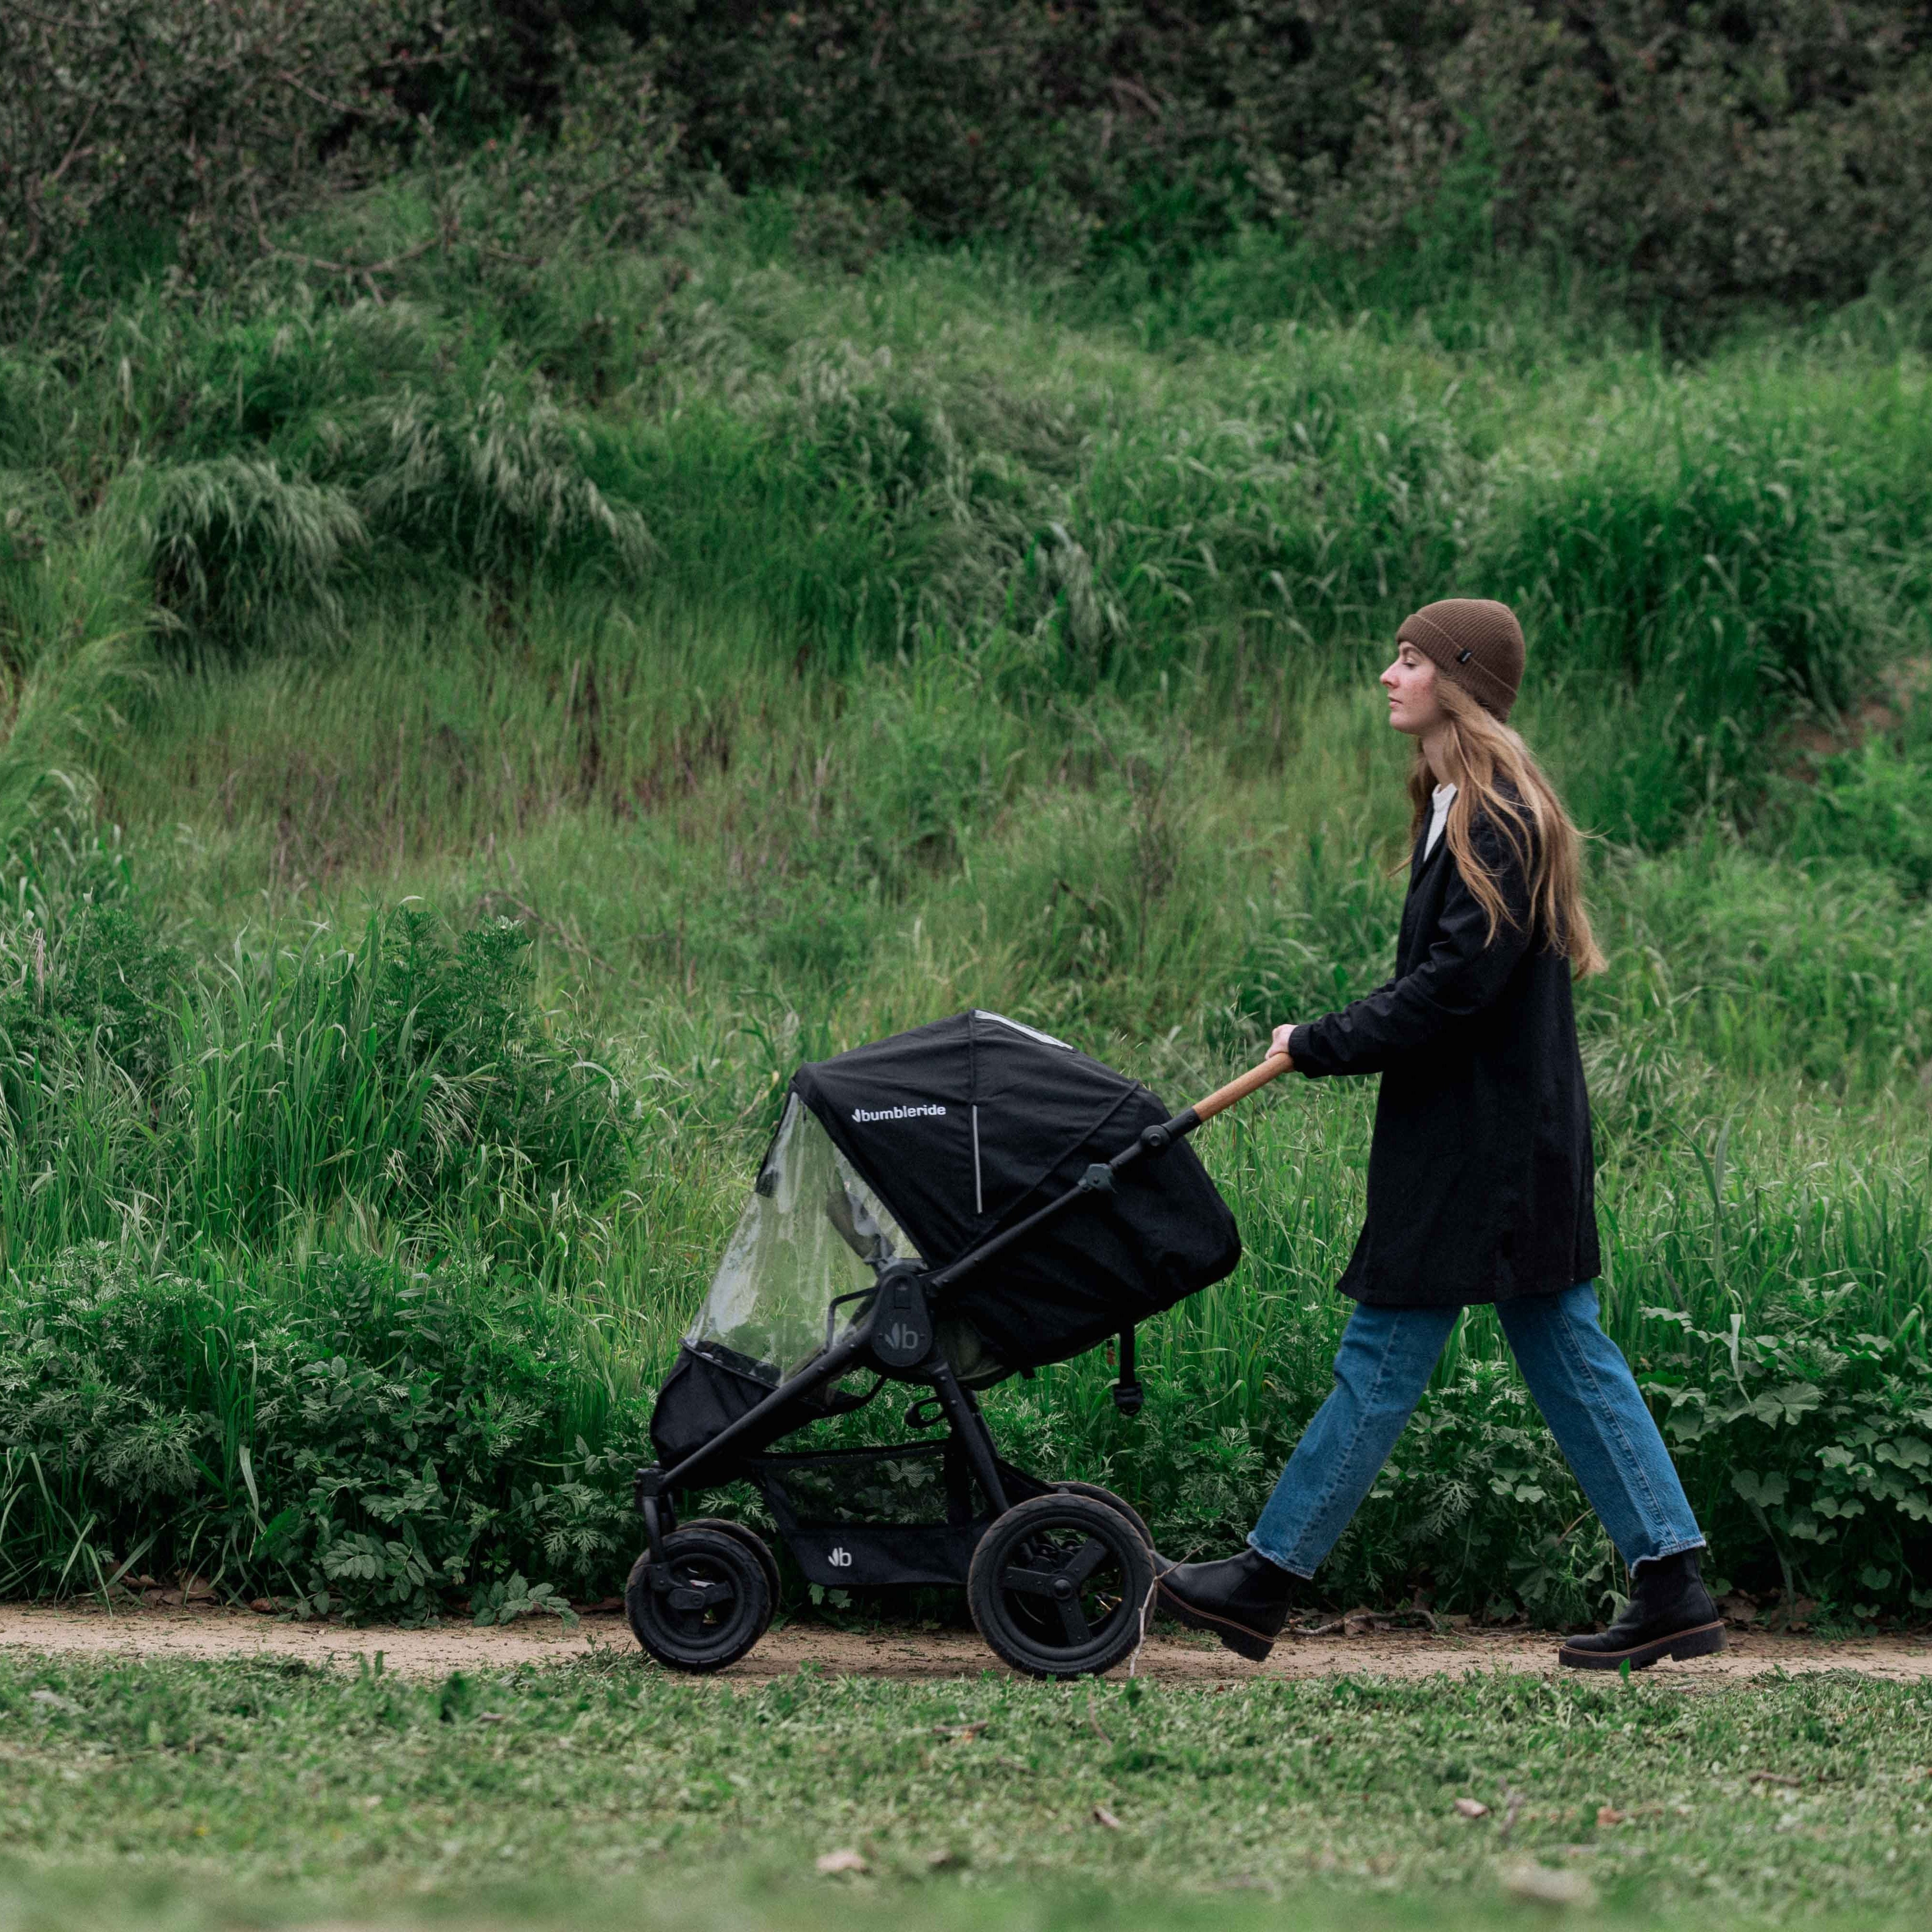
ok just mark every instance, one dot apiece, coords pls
pixel 908 1514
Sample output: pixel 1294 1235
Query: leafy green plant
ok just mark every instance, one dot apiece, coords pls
pixel 1823 1439
pixel 504 1602
pixel 360 1438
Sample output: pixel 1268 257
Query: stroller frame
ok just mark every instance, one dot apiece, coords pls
pixel 1061 1576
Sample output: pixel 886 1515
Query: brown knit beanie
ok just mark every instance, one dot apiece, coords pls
pixel 1477 643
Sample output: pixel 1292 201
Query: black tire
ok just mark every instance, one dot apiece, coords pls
pixel 752 1541
pixel 1038 1618
pixel 1058 1586
pixel 714 1606
pixel 1113 1502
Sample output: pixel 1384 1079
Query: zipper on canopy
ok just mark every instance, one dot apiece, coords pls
pixel 979 1199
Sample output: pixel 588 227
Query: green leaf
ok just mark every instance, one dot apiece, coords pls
pixel 1767 1492
pixel 1788 1403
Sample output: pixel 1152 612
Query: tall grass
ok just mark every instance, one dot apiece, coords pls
pixel 735 660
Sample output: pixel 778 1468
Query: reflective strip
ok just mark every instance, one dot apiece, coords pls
pixel 979 1200
pixel 1031 1033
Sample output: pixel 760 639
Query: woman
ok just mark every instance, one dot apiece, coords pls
pixel 1480 1183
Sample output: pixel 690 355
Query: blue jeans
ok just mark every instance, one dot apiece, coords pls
pixel 1580 1380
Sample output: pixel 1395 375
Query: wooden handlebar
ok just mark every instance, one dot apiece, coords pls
pixel 1239 1088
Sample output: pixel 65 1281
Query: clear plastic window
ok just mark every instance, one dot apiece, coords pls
pixel 812 1231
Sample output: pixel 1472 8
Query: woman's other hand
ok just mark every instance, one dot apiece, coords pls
pixel 1280 1043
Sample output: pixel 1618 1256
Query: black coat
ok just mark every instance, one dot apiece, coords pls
pixel 1481 1175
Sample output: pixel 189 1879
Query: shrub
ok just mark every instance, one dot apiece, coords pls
pixel 138 138
pixel 174 135
pixel 1776 150
pixel 360 1438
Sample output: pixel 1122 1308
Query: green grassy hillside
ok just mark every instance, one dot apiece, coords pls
pixel 467 747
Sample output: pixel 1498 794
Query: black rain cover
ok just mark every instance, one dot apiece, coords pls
pixel 968 1125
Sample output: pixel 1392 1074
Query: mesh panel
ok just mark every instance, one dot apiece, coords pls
pixel 903 1487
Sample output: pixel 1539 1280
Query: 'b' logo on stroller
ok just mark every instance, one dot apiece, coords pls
pixel 840 1557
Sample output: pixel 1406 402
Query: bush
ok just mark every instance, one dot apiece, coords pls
pixel 139 140
pixel 1779 150
pixel 355 1436
pixel 141 131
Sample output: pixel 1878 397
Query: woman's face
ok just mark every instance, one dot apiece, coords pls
pixel 1410 682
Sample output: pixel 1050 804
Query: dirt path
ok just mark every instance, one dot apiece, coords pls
pixel 888 1651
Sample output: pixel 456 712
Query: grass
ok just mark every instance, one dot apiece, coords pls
pixel 505 1795
pixel 791 656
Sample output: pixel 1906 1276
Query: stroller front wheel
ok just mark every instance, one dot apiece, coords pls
pixel 706 1605
pixel 1059 1585
pixel 755 1543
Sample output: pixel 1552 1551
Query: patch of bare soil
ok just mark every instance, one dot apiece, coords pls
pixel 1169 1657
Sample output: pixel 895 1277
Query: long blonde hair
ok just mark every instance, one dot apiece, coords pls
pixel 1495 774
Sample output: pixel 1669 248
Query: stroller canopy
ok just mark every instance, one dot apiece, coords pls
pixel 966 1126
pixel 922 1146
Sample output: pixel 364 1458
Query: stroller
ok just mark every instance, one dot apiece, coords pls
pixel 954 1205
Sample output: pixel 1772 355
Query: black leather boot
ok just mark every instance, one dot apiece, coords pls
pixel 1670 1614
pixel 1244 1600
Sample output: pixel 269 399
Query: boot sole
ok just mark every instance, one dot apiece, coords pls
pixel 1237 1637
pixel 1701 1640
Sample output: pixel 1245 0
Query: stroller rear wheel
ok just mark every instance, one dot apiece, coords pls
pixel 705 1605
pixel 1113 1502
pixel 1058 1584
pixel 1037 1616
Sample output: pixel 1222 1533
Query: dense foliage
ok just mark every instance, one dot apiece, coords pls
pixel 1776 150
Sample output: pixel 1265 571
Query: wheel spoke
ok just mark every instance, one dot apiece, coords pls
pixel 696 1622
pixel 1073 1621
pixel 1084 1560
pixel 1028 1582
